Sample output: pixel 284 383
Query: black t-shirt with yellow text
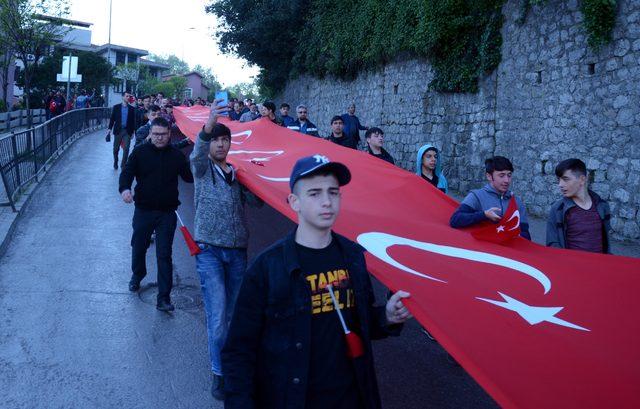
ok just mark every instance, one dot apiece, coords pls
pixel 332 382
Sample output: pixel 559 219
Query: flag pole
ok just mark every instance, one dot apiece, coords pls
pixel 337 308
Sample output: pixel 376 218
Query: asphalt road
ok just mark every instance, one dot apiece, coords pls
pixel 73 336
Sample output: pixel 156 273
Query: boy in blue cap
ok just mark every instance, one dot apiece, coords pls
pixel 286 346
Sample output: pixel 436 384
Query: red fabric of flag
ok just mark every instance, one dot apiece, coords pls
pixel 537 327
pixel 506 229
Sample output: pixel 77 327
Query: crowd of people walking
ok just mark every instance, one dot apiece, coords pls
pixel 278 329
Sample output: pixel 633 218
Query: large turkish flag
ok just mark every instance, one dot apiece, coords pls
pixel 537 327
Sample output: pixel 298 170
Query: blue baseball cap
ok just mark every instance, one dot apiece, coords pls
pixel 311 165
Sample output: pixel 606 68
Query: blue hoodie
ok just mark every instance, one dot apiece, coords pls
pixel 442 181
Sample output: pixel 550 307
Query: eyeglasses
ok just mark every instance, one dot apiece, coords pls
pixel 302 112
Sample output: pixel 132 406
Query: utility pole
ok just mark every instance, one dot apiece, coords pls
pixel 109 53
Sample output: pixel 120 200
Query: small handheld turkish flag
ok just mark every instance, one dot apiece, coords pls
pixel 191 243
pixel 354 343
pixel 505 230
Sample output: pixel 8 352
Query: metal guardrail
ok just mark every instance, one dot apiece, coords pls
pixel 15 119
pixel 24 154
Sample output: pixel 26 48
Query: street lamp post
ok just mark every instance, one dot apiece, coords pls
pixel 187 31
pixel 109 54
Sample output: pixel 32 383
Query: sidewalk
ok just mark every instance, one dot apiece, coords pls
pixel 72 335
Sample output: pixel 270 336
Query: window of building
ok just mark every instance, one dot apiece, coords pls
pixel 119 86
pixel 120 57
pixel 133 58
pixel 188 93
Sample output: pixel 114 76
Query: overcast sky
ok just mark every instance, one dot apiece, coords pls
pixel 163 27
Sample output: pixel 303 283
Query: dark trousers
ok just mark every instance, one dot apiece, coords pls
pixel 121 139
pixel 144 224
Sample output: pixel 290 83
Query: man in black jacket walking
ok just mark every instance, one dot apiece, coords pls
pixel 156 167
pixel 286 346
pixel 123 123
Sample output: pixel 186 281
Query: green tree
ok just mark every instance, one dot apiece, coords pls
pixel 6 62
pixel 146 82
pixel 173 87
pixel 265 33
pixel 176 64
pixel 208 77
pixel 245 90
pixel 94 69
pixel 31 34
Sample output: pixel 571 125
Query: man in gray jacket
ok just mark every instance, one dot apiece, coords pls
pixel 580 220
pixel 221 233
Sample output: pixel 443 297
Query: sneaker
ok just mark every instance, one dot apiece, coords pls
pixel 134 285
pixel 165 306
pixel 217 387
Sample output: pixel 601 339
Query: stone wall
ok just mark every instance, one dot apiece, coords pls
pixel 551 98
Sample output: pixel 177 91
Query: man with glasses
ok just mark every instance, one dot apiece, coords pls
pixel 302 124
pixel 252 114
pixel 156 167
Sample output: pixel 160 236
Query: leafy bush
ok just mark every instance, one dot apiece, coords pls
pixel 599 20
pixel 461 38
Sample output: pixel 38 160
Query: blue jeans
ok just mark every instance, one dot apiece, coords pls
pixel 221 271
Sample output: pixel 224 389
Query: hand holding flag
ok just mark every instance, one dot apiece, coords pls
pixel 500 229
pixel 397 313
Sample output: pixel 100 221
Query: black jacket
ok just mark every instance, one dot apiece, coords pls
pixel 557 221
pixel 156 172
pixel 344 140
pixel 115 123
pixel 386 156
pixel 265 360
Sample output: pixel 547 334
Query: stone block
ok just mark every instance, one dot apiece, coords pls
pixel 621 47
pixel 631 229
pixel 625 117
pixel 628 213
pixel 621 195
pixel 612 64
pixel 576 55
pixel 620 101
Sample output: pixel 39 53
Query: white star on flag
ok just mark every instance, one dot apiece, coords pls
pixel 532 314
pixel 500 229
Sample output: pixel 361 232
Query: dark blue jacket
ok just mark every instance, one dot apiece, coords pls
pixel 308 128
pixel 265 359
pixel 352 127
pixel 235 116
pixel 287 120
